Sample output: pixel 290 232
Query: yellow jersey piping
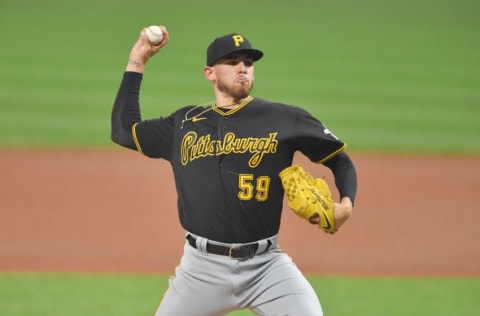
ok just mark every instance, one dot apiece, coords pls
pixel 135 139
pixel 241 105
pixel 333 154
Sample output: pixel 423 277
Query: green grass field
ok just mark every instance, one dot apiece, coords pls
pixel 390 76
pixel 67 294
pixel 383 75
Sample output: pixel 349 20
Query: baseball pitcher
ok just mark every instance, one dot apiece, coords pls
pixel 232 165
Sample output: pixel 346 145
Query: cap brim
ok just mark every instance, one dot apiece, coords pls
pixel 255 54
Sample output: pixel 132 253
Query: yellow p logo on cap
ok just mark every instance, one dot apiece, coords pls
pixel 237 39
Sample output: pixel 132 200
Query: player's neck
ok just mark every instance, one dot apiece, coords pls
pixel 230 103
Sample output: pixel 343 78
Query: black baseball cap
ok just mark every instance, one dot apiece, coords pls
pixel 230 43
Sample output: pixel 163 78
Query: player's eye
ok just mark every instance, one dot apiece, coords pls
pixel 234 62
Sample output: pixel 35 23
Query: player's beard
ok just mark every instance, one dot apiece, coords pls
pixel 238 91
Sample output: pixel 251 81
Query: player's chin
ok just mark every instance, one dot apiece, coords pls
pixel 243 89
pixel 240 93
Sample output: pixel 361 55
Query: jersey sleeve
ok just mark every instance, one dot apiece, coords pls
pixel 345 175
pixel 314 139
pixel 154 137
pixel 126 110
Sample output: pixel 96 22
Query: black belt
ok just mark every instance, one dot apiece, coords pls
pixel 242 252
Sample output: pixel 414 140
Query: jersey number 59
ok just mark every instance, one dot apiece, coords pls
pixel 250 188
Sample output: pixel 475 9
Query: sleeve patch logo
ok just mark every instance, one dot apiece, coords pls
pixel 327 131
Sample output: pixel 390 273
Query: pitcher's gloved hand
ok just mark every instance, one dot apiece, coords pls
pixel 309 198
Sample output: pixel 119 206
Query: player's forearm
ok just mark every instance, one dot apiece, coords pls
pixel 343 211
pixel 137 58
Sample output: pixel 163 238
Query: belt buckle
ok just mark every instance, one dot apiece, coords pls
pixel 251 252
pixel 230 254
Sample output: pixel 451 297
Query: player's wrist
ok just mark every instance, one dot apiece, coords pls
pixel 344 209
pixel 135 65
pixel 346 202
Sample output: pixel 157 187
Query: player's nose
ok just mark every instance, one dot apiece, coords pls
pixel 242 67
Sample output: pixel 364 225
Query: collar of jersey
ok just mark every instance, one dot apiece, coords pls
pixel 240 106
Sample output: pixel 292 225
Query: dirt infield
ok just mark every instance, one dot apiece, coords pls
pixel 114 211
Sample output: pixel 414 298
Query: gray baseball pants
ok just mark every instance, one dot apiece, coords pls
pixel 208 284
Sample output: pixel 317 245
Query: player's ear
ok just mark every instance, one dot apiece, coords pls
pixel 209 73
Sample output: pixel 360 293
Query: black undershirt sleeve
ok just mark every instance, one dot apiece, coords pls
pixel 126 110
pixel 345 175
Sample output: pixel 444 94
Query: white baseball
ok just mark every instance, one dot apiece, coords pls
pixel 155 34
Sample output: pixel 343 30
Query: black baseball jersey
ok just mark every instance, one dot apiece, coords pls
pixel 226 163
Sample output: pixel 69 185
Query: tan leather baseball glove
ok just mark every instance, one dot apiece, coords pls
pixel 308 197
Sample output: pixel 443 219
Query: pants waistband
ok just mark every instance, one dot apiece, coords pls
pixel 234 251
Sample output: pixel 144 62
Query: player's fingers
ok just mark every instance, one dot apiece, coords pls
pixel 165 35
pixel 148 47
pixel 144 37
pixel 315 219
pixel 157 47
